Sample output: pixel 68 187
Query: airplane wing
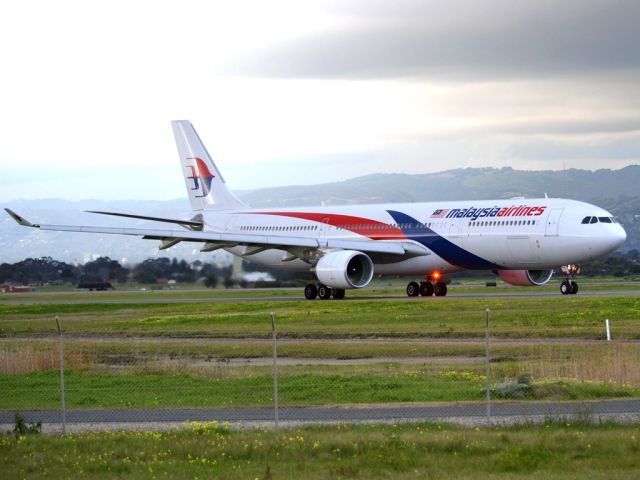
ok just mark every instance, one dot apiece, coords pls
pixel 216 240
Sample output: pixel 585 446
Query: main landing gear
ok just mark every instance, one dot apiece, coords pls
pixel 323 292
pixel 569 286
pixel 427 289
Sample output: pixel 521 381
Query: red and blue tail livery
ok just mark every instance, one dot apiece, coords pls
pixel 200 175
pixel 344 247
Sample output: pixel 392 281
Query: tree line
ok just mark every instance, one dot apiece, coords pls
pixel 46 270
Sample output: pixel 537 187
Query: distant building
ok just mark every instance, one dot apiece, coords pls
pixel 4 288
pixel 96 285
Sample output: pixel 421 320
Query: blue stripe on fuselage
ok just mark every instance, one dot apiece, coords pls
pixel 442 247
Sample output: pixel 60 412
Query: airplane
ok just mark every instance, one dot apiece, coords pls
pixel 521 240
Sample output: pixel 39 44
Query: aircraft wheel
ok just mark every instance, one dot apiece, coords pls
pixel 426 289
pixel 440 289
pixel 413 289
pixel 338 293
pixel 574 288
pixel 565 287
pixel 324 292
pixel 310 291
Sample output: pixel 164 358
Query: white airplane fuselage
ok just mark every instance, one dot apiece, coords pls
pixel 511 234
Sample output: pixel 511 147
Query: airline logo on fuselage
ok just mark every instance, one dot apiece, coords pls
pixel 476 213
pixel 201 176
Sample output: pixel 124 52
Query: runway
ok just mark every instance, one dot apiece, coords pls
pixel 452 296
pixel 464 413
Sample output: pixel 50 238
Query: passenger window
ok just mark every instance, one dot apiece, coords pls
pixel 604 219
pixel 594 220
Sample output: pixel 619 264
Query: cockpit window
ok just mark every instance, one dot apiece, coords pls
pixel 589 220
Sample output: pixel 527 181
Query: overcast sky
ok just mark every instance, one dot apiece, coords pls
pixel 294 92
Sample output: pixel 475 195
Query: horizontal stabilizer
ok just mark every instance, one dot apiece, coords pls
pixel 193 224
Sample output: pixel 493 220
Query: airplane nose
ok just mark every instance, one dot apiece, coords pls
pixel 607 242
pixel 621 236
pixel 618 237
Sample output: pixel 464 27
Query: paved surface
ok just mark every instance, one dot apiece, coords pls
pixel 620 409
pixel 451 296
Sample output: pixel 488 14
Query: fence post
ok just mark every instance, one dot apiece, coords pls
pixel 488 367
pixel 61 350
pixel 275 368
pixel 606 322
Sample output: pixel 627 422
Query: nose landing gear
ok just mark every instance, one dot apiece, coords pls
pixel 569 286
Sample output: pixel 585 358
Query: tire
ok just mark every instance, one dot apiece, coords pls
pixel 574 288
pixel 324 292
pixel 310 291
pixel 565 287
pixel 440 289
pixel 413 289
pixel 338 293
pixel 426 289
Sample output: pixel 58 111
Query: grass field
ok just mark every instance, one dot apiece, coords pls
pixel 574 317
pixel 299 387
pixel 153 355
pixel 553 451
pixel 199 354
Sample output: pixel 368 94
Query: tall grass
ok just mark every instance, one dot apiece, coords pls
pixel 617 363
pixel 15 359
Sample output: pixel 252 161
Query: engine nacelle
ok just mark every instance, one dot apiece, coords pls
pixel 525 278
pixel 345 269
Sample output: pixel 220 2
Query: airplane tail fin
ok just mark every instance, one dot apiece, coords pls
pixel 206 188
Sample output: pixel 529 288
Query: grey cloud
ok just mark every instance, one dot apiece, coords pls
pixel 586 126
pixel 627 149
pixel 492 38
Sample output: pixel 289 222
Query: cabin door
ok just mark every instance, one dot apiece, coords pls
pixel 553 219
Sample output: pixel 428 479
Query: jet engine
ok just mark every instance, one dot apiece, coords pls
pixel 345 269
pixel 526 278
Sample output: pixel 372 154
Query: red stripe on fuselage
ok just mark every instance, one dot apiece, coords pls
pixel 362 226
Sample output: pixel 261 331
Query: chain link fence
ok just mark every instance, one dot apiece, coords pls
pixel 267 377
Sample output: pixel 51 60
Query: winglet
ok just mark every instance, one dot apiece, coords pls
pixel 19 219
